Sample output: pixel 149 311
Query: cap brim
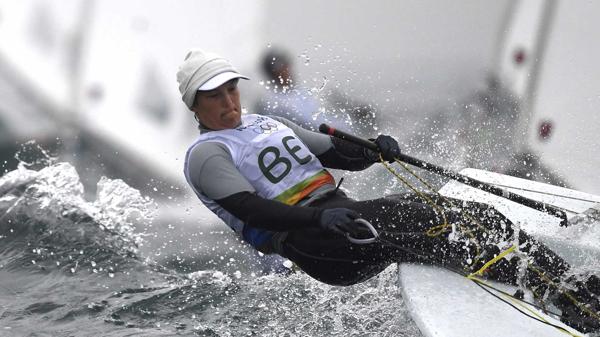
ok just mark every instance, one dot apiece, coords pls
pixel 219 79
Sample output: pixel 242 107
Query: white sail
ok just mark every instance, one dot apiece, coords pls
pixel 548 59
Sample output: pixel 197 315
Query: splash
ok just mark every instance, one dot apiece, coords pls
pixel 211 303
pixel 32 155
pixel 118 207
pixel 45 220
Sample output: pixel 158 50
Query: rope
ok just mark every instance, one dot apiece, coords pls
pixel 565 292
pixel 516 303
pixel 491 262
pixel 509 299
pixel 444 227
pixel 548 193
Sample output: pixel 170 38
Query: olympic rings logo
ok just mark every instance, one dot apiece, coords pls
pixel 265 128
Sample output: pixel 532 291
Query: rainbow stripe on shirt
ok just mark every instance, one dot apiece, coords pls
pixel 297 192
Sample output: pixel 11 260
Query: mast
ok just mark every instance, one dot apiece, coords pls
pixel 76 66
pixel 537 55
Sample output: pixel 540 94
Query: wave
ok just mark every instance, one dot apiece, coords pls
pixel 45 222
pixel 69 266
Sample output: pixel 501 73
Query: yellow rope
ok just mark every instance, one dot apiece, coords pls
pixel 439 210
pixel 439 229
pixel 444 227
pixel 521 305
pixel 492 261
pixel 566 293
pixel 468 216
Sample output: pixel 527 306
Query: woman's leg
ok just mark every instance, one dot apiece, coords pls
pixel 332 259
pixel 411 231
pixel 481 233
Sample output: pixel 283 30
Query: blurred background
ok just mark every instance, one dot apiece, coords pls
pixel 507 86
pixel 99 232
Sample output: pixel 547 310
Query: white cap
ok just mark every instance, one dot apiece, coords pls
pixel 203 71
pixel 220 79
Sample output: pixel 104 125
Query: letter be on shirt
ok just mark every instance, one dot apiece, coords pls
pixel 267 168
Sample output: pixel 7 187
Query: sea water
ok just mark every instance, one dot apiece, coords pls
pixel 74 267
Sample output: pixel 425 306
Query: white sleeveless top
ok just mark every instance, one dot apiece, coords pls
pixel 273 160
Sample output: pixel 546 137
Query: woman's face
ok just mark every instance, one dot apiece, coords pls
pixel 220 108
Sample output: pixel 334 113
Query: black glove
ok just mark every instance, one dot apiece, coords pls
pixel 339 220
pixel 388 147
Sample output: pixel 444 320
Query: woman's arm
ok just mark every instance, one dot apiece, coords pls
pixel 332 152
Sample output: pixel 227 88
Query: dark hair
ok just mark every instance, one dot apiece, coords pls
pixel 273 61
